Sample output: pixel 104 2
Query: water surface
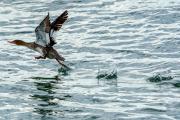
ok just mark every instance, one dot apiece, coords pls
pixel 138 39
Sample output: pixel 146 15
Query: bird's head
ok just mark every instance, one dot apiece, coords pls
pixel 17 42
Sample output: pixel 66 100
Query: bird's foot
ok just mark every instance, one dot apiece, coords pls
pixel 39 57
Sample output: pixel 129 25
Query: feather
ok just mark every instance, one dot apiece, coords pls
pixel 42 32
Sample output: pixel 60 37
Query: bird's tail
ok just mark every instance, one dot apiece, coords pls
pixel 61 63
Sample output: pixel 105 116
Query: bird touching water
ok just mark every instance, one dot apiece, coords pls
pixel 45 40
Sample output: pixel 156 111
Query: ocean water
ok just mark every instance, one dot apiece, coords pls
pixel 138 41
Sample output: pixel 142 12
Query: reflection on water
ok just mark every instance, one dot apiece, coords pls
pixel 44 100
pixel 46 97
pixel 45 86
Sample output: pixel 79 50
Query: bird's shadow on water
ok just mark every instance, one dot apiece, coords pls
pixel 46 96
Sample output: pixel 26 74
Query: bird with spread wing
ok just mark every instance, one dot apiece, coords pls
pixel 45 40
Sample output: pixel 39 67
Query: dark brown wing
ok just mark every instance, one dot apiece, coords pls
pixel 57 24
pixel 47 24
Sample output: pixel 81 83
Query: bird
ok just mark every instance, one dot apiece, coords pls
pixel 45 39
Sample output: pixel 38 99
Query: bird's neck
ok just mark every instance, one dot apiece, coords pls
pixel 26 44
pixel 30 45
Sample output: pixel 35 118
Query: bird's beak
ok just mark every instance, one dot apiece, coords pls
pixel 11 42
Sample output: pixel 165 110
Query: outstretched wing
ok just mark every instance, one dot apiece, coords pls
pixel 42 32
pixel 56 25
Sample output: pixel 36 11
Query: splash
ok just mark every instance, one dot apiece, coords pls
pixel 63 71
pixel 107 75
pixel 56 77
pixel 159 78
